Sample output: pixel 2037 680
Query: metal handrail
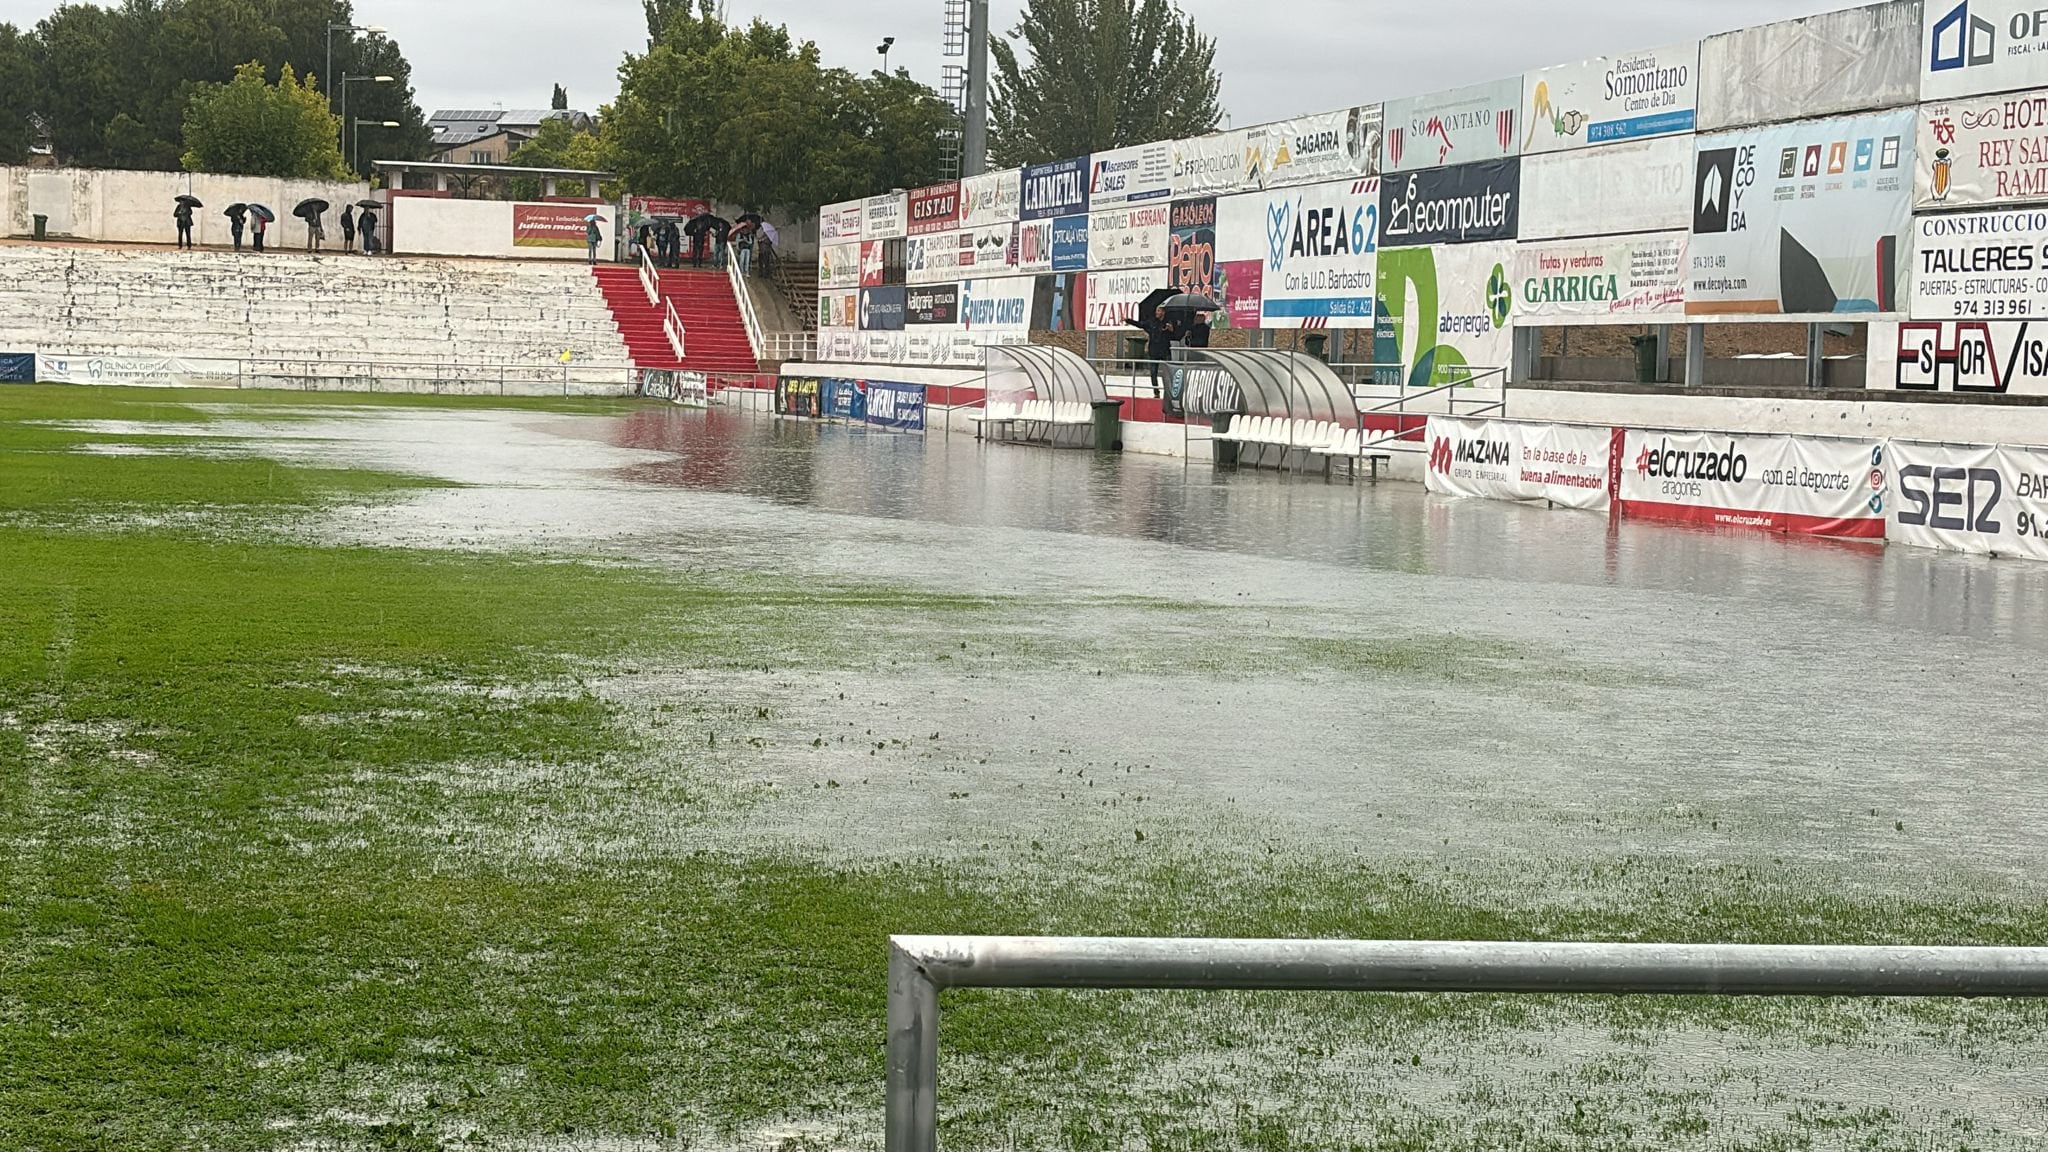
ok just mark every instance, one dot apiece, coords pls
pixel 921 966
pixel 672 327
pixel 746 301
pixel 650 280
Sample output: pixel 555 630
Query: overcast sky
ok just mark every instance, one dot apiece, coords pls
pixel 1278 57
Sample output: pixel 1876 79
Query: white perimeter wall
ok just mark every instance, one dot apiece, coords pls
pixel 135 207
pixel 1966 423
pixel 435 226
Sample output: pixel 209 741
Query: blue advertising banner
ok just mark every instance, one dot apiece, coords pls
pixel 842 400
pixel 1070 244
pixel 17 367
pixel 899 407
pixel 1056 189
pixel 882 309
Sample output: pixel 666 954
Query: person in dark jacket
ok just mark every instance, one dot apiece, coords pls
pixel 1196 333
pixel 257 230
pixel 367 225
pixel 235 225
pixel 1160 332
pixel 184 218
pixel 348 228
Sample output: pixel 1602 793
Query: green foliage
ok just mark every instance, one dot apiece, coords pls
pixel 560 101
pixel 413 140
pixel 113 83
pixel 1102 74
pixel 259 129
pixel 17 94
pixel 749 115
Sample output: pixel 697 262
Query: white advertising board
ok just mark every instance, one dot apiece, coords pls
pixel 839 265
pixel 1971 47
pixel 1806 218
pixel 1989 357
pixel 1220 165
pixel 991 198
pixel 1460 126
pixel 1133 237
pixel 1447 312
pixel 1321 254
pixel 839 310
pixel 1845 61
pixel 1139 174
pixel 1113 297
pixel 885 217
pixel 1803 485
pixel 938 259
pixel 1611 98
pixel 997 311
pixel 838 223
pixel 1610 280
pixel 1641 186
pixel 993 251
pixel 1569 465
pixel 1981 266
pixel 1316 149
pixel 1990 500
pixel 1987 150
pixel 138 370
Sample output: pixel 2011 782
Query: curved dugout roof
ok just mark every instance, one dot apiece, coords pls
pixel 1041 372
pixel 1288 385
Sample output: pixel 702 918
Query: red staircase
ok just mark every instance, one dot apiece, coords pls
pixel 715 338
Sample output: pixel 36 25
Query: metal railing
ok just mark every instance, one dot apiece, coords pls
pixel 672 327
pixel 922 966
pixel 650 280
pixel 746 301
pixel 785 346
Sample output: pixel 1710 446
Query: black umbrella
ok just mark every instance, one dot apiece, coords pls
pixel 310 209
pixel 752 218
pixel 192 201
pixel 1190 302
pixel 370 205
pixel 1154 303
pixel 263 213
pixel 699 225
pixel 236 211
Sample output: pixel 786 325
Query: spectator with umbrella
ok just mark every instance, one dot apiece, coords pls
pixel 1160 330
pixel 348 227
pixel 310 210
pixel 764 247
pixel 743 245
pixel 183 215
pixel 672 236
pixel 699 232
pixel 721 238
pixel 593 233
pixel 1190 313
pixel 238 218
pixel 264 218
pixel 366 223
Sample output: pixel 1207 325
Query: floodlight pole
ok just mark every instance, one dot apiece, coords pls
pixel 974 151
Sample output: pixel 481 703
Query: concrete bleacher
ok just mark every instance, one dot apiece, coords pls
pixel 354 313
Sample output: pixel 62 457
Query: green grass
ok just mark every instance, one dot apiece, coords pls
pixel 255 894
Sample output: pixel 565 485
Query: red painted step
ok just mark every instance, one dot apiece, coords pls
pixel 715 337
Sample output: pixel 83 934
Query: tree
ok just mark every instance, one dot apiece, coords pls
pixel 748 115
pixel 17 94
pixel 1102 74
pixel 560 102
pixel 255 128
pixel 413 140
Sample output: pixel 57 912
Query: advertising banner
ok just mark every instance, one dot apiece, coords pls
pixel 998 311
pixel 839 347
pixel 1113 297
pixel 938 259
pixel 1133 237
pixel 935 209
pixel 899 407
pixel 873 271
pixel 1610 98
pixel 1241 255
pixel 839 310
pixel 1199 391
pixel 551 225
pixel 882 309
pixel 666 207
pixel 843 399
pixel 1070 244
pixel 1054 190
pixel 838 223
pixel 1971 47
pixel 1835 62
pixel 1461 205
pixel 1322 245
pixel 991 198
pixel 990 251
pixel 1318 149
pixel 1461 126
pixel 1059 303
pixel 1446 314
pixel 1034 246
pixel 1139 174
pixel 142 371
pixel 839 265
pixel 885 217
pixel 17 367
pixel 1810 217
pixel 1569 465
pixel 936 304
pixel 1979 498
pixel 1220 165
pixel 1642 186
pixel 796 396
pixel 1191 247
pixel 1809 486
pixel 1614 279
pixel 1990 150
pixel 1994 357
pixel 1981 266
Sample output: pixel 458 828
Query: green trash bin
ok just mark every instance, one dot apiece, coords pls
pixel 1109 425
pixel 42 227
pixel 1226 450
pixel 1319 346
pixel 1646 358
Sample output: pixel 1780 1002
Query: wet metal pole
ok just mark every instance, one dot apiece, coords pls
pixel 974 150
pixel 920 966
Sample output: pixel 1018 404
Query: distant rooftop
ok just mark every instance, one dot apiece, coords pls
pixel 461 125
